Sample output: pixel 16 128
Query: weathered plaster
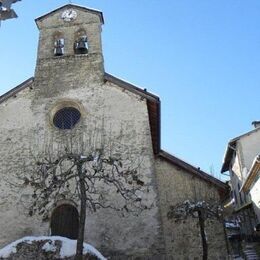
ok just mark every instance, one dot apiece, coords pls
pixel 250 148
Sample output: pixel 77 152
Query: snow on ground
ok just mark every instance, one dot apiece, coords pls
pixel 68 247
pixel 232 225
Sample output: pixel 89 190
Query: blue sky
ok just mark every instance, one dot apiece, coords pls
pixel 201 57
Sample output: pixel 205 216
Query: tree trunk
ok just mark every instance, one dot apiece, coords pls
pixel 82 215
pixel 203 235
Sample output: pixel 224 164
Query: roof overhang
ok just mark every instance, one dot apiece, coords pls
pixel 228 156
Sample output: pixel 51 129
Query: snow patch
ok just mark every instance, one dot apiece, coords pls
pixel 68 246
pixel 49 246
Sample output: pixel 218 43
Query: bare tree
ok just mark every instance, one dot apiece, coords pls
pixel 197 209
pixel 85 178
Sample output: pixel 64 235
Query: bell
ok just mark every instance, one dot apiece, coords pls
pixel 81 46
pixel 58 50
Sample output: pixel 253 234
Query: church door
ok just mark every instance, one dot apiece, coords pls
pixel 65 222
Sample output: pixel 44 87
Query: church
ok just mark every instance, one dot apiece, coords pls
pixel 71 99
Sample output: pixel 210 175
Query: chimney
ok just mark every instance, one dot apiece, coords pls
pixel 256 124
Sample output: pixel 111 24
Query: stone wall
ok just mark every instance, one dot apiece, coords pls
pixel 182 239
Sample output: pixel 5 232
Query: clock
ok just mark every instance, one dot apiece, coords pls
pixel 69 15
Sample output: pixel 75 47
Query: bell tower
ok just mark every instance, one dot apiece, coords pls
pixel 70 47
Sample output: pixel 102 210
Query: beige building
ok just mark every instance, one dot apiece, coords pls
pixel 242 161
pixel 72 101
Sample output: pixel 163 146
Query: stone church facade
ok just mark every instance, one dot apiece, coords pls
pixel 70 76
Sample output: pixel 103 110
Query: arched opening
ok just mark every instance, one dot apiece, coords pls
pixel 65 221
pixel 59 47
pixel 59 44
pixel 81 42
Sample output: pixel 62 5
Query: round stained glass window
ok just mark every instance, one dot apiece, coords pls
pixel 66 118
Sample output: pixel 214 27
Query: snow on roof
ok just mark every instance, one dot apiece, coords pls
pixel 68 246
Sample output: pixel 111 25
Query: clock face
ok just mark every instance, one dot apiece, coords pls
pixel 69 15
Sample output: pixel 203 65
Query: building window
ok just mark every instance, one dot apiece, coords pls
pixel 66 118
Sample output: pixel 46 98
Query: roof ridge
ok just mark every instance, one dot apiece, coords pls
pixel 129 86
pixel 244 134
pixel 189 167
pixel 230 149
pixel 16 89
